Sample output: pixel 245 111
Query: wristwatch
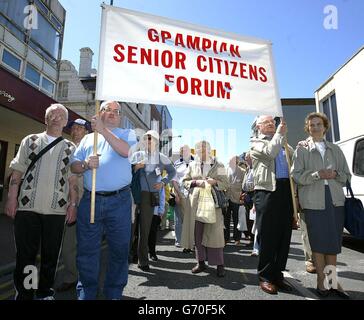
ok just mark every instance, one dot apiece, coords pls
pixel 84 165
pixel 73 204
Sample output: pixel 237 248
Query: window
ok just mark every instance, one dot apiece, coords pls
pixel 48 85
pixel 10 60
pixel 14 10
pixel 42 7
pixel 47 36
pixel 358 163
pixel 330 109
pixel 62 90
pixel 43 53
pixel 32 75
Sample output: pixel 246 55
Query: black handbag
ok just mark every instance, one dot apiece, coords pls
pixel 354 214
pixel 221 199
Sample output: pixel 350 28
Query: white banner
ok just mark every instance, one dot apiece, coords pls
pixel 149 59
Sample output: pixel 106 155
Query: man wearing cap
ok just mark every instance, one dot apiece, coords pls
pixel 151 162
pixel 79 128
pixel 112 205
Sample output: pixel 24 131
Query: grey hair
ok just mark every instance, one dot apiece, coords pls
pixel 56 106
pixel 107 102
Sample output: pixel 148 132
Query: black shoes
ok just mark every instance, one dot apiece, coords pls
pixel 154 257
pixel 144 268
pixel 201 266
pixel 322 293
pixel 220 271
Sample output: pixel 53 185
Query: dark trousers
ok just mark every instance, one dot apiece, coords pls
pixel 145 221
pixel 232 210
pixel 133 255
pixel 274 223
pixel 32 230
pixel 152 239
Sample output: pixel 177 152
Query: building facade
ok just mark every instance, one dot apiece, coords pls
pixel 341 98
pixel 31 35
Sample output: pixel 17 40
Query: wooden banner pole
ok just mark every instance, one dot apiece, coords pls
pixel 93 191
pixel 295 211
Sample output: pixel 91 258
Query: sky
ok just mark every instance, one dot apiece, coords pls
pixel 309 45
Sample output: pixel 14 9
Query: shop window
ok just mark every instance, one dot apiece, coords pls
pixel 11 60
pixel 48 85
pixel 32 75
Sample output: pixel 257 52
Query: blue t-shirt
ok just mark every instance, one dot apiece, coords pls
pixel 114 171
pixel 281 165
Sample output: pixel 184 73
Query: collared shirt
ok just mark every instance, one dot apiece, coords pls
pixel 281 165
pixel 151 174
pixel 114 171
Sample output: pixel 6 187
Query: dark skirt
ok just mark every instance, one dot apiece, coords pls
pixel 325 227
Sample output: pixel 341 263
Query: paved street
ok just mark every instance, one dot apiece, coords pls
pixel 170 278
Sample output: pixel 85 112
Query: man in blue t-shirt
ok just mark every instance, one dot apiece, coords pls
pixel 112 205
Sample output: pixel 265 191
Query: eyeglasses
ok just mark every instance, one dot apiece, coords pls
pixel 115 111
pixel 266 122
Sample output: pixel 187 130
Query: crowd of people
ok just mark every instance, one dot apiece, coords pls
pixel 137 186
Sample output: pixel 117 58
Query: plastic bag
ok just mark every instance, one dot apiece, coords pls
pixel 242 219
pixel 206 206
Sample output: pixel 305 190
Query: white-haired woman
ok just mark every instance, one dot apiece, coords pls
pixel 321 171
pixel 208 238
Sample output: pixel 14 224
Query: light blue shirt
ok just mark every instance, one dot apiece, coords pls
pixel 281 165
pixel 158 211
pixel 114 171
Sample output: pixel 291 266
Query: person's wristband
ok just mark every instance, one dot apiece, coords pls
pixel 84 165
pixel 73 204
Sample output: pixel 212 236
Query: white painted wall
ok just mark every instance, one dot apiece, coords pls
pixel 348 84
